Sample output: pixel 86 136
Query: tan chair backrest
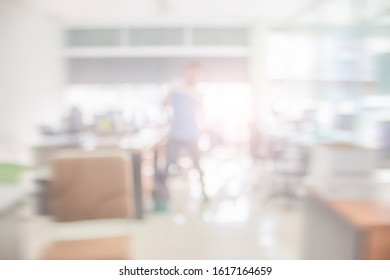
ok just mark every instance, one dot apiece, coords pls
pixel 90 187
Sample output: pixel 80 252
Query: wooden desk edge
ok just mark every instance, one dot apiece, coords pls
pixel 364 214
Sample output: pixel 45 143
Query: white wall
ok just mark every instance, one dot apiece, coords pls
pixel 31 76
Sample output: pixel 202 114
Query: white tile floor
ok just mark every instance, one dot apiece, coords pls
pixel 238 222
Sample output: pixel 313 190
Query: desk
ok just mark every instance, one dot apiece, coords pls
pixel 134 145
pixel 10 204
pixel 345 229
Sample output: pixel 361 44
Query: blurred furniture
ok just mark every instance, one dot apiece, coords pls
pixel 291 165
pixel 11 203
pixel 290 159
pixel 336 229
pixel 142 148
pixel 90 188
pixel 342 169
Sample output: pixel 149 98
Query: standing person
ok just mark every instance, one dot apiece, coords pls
pixel 186 104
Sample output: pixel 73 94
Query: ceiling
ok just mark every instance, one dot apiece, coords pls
pixel 191 12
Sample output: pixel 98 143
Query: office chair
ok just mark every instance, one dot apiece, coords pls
pixel 90 188
pixel 291 166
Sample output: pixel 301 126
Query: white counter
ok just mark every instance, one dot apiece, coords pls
pixel 10 195
pixel 11 198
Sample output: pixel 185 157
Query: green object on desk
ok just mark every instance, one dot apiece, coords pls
pixel 11 173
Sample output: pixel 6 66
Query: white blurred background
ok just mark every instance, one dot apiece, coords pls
pixel 296 98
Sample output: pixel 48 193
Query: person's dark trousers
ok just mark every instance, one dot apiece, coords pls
pixel 177 147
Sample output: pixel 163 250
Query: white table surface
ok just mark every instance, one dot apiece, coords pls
pixel 9 195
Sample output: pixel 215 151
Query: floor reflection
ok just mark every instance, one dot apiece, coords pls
pixel 239 221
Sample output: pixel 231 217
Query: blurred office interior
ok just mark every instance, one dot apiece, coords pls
pixel 295 141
